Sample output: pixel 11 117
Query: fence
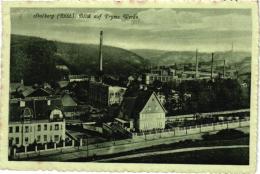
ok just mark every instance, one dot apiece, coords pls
pixel 215 114
pixel 136 138
pixel 27 151
pixel 180 131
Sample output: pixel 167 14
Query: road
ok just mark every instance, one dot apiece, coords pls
pixel 171 152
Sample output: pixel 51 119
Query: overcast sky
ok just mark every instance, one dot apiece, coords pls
pixel 163 29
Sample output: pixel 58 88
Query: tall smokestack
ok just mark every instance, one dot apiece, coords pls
pixel 212 61
pixel 100 52
pixel 197 65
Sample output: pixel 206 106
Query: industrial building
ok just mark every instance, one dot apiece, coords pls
pixel 103 95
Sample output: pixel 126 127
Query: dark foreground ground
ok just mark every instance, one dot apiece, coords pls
pixel 236 156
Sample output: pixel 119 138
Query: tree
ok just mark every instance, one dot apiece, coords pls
pixel 42 63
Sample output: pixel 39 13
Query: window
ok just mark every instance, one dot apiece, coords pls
pixel 39 127
pixel 38 138
pixel 17 140
pixel 50 127
pixel 10 129
pixel 45 137
pixel 17 129
pixel 22 103
pixel 26 140
pixel 56 116
pixel 56 138
pixel 56 127
pixel 26 129
pixel 10 141
pixel 61 127
pixel 45 127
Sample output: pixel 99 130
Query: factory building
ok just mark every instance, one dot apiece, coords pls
pixel 103 95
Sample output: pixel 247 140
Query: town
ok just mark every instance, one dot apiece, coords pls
pixel 86 115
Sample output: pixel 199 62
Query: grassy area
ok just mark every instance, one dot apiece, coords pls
pixel 239 156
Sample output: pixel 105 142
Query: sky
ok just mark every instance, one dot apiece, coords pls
pixel 163 29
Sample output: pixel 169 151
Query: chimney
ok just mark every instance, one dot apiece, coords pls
pixel 22 83
pixel 197 64
pixel 100 52
pixel 212 61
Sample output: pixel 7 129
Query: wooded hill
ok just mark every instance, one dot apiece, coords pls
pixel 80 58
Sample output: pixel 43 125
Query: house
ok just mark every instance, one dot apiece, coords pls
pixel 35 121
pixel 69 106
pixel 103 95
pixel 30 92
pixel 142 112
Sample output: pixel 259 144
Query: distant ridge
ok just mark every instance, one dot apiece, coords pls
pixel 162 57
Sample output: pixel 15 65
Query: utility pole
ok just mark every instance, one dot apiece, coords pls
pixel 212 61
pixel 197 65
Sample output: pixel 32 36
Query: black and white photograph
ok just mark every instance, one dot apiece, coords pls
pixel 130 85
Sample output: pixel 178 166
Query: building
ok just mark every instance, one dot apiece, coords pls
pixel 79 78
pixel 34 91
pixel 35 121
pixel 149 78
pixel 142 112
pixel 103 95
pixel 70 107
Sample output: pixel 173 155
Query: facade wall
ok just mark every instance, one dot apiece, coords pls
pixel 115 95
pixel 41 132
pixel 150 121
pixel 98 94
pixel 152 115
pixel 105 95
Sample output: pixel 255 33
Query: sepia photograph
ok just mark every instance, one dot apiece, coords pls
pixel 130 85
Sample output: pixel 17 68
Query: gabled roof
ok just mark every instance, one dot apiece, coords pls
pixel 36 92
pixel 40 108
pixel 67 100
pixel 15 86
pixel 26 91
pixel 63 83
pixel 132 106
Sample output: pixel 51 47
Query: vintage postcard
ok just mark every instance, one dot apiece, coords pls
pixel 151 87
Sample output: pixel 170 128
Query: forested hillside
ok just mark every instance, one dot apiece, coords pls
pixel 33 59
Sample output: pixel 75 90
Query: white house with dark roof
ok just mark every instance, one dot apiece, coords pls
pixel 142 112
pixel 35 121
pixel 28 130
